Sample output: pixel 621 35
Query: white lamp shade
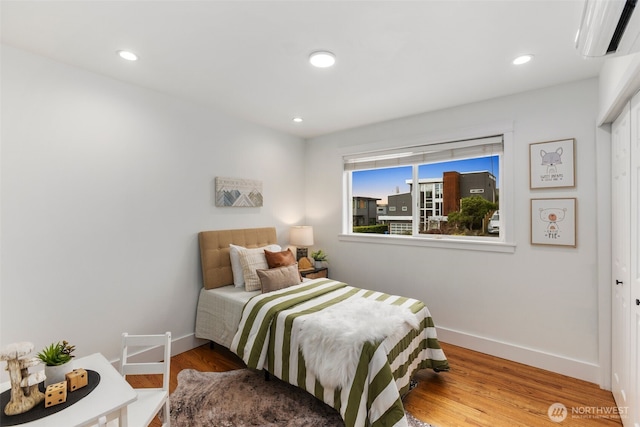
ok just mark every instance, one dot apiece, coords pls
pixel 301 235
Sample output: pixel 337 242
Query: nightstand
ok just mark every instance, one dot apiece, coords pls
pixel 315 273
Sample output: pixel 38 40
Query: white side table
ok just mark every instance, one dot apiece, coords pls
pixel 111 396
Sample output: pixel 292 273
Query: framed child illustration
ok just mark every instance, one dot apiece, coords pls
pixel 553 222
pixel 551 164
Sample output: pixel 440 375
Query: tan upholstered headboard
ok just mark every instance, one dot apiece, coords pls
pixel 214 251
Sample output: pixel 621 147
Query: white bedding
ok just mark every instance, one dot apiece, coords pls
pixel 219 313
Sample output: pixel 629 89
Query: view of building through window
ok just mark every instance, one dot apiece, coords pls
pixel 455 198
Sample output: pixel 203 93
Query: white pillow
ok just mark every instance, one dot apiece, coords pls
pixel 236 265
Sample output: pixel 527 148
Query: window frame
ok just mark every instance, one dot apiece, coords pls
pixel 504 243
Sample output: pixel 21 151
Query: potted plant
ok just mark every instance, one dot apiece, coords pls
pixel 57 359
pixel 320 257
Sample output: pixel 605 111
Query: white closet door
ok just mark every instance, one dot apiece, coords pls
pixel 634 199
pixel 621 246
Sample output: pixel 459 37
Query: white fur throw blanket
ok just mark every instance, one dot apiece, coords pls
pixel 331 340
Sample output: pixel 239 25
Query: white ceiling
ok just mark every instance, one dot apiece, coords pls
pixel 249 58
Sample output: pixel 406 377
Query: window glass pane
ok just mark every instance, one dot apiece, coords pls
pixel 459 197
pixel 386 196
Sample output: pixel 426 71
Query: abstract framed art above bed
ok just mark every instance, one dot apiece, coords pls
pixel 352 348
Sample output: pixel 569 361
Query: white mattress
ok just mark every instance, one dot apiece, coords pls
pixel 219 312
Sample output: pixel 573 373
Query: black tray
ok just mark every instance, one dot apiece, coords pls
pixel 39 411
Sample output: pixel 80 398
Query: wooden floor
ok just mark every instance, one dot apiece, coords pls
pixel 479 390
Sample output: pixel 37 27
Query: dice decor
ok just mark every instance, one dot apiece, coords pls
pixel 57 393
pixel 76 379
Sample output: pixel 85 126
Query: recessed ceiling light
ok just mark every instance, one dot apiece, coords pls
pixel 129 56
pixel 297 119
pixel 523 59
pixel 322 59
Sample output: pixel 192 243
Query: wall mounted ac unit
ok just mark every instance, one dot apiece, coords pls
pixel 608 27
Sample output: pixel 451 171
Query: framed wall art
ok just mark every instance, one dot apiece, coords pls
pixel 551 164
pixel 238 192
pixel 553 222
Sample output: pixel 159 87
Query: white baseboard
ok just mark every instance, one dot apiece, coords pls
pixel 551 362
pixel 539 359
pixel 186 343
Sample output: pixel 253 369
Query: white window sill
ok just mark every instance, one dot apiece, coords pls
pixel 448 242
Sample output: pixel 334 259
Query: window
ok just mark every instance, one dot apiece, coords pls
pixel 448 189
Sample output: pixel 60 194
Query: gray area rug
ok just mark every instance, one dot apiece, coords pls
pixel 243 398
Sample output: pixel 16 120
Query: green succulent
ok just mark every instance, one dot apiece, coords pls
pixel 57 353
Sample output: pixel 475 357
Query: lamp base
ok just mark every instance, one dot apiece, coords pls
pixel 301 253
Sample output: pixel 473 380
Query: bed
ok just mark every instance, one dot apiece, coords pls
pixel 298 333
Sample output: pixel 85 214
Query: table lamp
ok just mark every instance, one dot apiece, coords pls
pixel 301 236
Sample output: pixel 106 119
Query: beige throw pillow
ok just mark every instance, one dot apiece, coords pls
pixel 236 265
pixel 278 278
pixel 252 260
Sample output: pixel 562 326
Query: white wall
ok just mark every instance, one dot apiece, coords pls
pixel 105 186
pixel 538 305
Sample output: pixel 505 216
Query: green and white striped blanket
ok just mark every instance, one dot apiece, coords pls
pixel 267 338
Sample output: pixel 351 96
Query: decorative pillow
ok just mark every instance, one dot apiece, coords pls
pixel 279 259
pixel 252 260
pixel 278 278
pixel 236 266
